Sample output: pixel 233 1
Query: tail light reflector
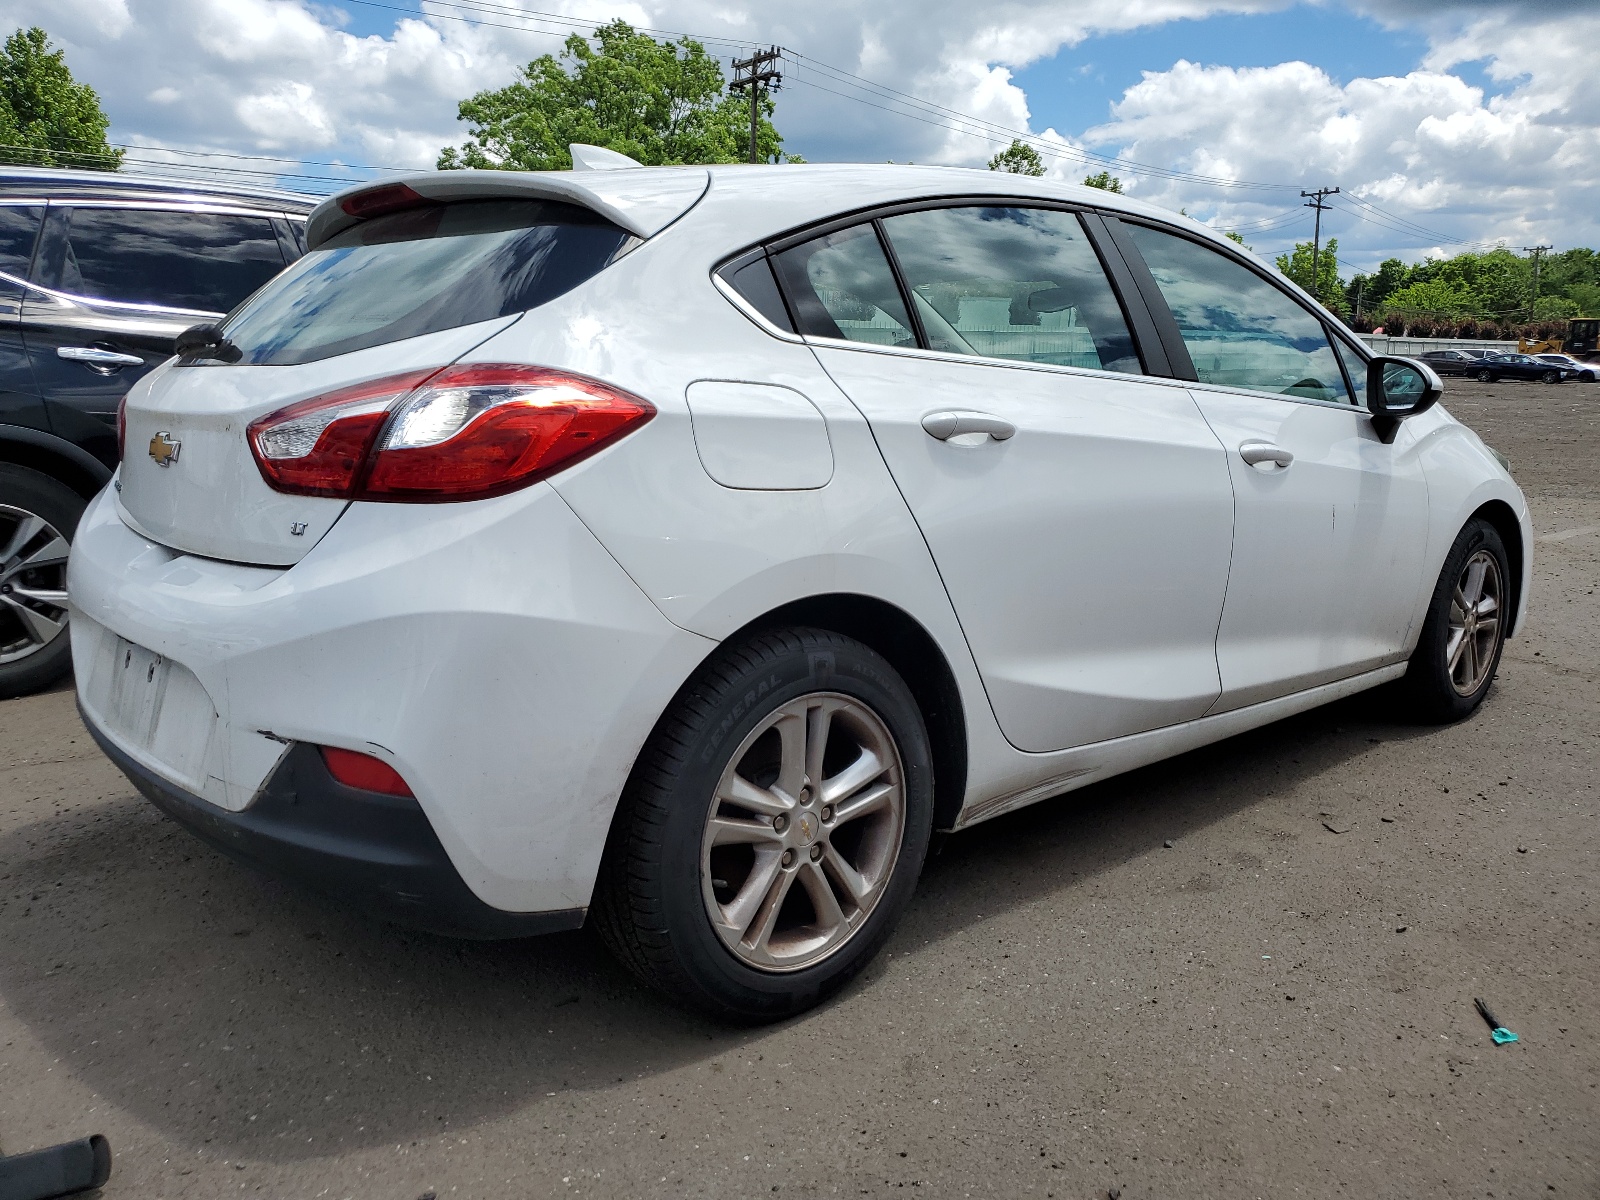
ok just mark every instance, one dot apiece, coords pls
pixel 363 771
pixel 462 433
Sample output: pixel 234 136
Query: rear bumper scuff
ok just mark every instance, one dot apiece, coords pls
pixel 378 853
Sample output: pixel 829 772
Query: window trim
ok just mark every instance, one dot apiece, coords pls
pixel 1124 289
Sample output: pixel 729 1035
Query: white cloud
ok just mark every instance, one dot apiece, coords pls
pixel 1426 147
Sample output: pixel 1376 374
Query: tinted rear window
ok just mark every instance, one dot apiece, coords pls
pixel 207 262
pixel 19 227
pixel 419 271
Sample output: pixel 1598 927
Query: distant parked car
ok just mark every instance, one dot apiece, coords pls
pixel 1496 367
pixel 1454 362
pixel 99 273
pixel 1587 372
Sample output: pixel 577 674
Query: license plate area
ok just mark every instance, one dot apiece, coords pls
pixel 156 708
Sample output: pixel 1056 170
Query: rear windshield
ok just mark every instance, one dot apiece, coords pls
pixel 420 271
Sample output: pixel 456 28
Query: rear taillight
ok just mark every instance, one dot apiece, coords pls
pixel 363 771
pixel 320 447
pixel 462 433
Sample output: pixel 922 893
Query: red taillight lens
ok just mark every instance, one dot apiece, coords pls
pixel 363 771
pixel 467 432
pixel 319 447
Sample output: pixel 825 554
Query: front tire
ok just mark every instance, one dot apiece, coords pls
pixel 38 518
pixel 1550 377
pixel 1465 630
pixel 773 828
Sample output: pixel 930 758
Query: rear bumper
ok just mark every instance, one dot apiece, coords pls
pixel 375 852
pixel 491 652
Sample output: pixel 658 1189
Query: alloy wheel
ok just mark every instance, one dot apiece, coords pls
pixel 1485 377
pixel 1475 630
pixel 803 832
pixel 33 583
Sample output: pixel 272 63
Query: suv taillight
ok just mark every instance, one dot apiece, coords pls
pixel 462 433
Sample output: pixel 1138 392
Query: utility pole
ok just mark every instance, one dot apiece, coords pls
pixel 1538 253
pixel 1316 202
pixel 751 73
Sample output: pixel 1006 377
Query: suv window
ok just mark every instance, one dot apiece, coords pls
pixel 1009 282
pixel 206 262
pixel 19 229
pixel 408 273
pixel 1240 330
pixel 840 286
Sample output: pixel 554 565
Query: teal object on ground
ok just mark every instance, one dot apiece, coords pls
pixel 1502 1035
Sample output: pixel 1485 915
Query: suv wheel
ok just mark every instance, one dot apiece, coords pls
pixel 38 517
pixel 1465 629
pixel 773 829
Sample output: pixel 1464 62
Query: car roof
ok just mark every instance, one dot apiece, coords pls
pixel 50 184
pixel 747 203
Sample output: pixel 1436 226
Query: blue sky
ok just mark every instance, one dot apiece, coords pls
pixel 1076 87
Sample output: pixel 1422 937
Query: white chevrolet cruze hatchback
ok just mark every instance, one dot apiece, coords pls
pixel 681 547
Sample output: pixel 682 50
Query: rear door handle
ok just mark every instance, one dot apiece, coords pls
pixel 946 425
pixel 96 357
pixel 1262 453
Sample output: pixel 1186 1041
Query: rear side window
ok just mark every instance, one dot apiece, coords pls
pixel 1240 331
pixel 19 229
pixel 840 286
pixel 206 262
pixel 1019 283
pixel 422 270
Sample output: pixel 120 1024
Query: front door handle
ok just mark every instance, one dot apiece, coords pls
pixel 1259 454
pixel 946 425
pixel 95 357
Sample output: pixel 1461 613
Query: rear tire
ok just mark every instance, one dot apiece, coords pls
pixel 759 858
pixel 38 519
pixel 1485 377
pixel 1464 633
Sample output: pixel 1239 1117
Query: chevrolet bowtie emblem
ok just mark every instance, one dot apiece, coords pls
pixel 164 450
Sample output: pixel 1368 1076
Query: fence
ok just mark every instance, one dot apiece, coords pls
pixel 1382 343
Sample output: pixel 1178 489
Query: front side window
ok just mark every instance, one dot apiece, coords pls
pixel 420 271
pixel 840 286
pixel 1240 330
pixel 206 262
pixel 1017 283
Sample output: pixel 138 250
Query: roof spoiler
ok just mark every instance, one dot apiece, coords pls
pixel 643 201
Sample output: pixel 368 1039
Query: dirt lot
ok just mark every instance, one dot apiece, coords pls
pixel 1268 1008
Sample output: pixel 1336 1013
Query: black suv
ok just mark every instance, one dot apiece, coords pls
pixel 99 273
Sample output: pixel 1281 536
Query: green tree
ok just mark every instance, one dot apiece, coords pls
pixel 1327 286
pixel 1234 235
pixel 657 102
pixel 1441 297
pixel 1105 181
pixel 1019 158
pixel 47 119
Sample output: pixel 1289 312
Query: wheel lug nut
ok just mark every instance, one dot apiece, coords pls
pixel 827 812
pixel 780 822
pixel 816 853
pixel 788 857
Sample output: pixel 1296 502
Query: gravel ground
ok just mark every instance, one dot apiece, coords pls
pixel 1266 1008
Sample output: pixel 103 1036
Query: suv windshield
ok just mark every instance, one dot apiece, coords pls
pixel 419 271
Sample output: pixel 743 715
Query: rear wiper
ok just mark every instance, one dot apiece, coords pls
pixel 207 341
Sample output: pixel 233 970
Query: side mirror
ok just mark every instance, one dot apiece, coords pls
pixel 1398 388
